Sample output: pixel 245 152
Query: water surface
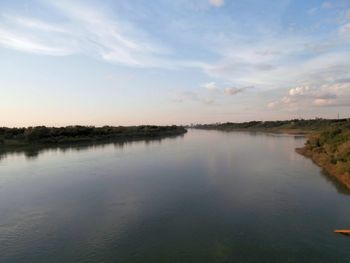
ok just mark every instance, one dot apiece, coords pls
pixel 208 196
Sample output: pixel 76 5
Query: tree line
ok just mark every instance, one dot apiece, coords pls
pixel 45 134
pixel 301 124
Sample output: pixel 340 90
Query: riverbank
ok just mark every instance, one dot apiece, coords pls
pixel 328 143
pixel 330 150
pixel 41 135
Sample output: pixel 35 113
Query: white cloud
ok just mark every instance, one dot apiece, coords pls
pixel 216 3
pixel 210 86
pixel 322 102
pixel 333 93
pixel 272 104
pixel 298 90
pixel 286 102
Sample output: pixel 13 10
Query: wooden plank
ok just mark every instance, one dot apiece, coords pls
pixel 342 231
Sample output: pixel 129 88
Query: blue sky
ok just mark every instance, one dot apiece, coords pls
pixel 164 62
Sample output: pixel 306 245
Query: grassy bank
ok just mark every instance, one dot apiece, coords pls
pixel 19 137
pixel 330 149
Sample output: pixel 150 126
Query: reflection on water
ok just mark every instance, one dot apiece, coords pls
pixel 32 152
pixel 337 185
pixel 206 197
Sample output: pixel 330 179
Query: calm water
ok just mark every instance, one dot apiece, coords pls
pixel 208 196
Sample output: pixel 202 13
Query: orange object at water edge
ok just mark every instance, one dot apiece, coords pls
pixel 342 231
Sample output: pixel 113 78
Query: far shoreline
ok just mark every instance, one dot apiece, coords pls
pixel 69 135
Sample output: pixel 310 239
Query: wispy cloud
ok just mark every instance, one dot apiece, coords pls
pixel 113 40
pixel 234 90
pixel 213 95
pixel 86 30
pixel 327 5
pixel 210 86
pixel 33 23
pixel 192 96
pixel 33 44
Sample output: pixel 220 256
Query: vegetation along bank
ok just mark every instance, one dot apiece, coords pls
pixel 74 134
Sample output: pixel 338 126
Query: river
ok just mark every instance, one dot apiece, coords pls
pixel 207 196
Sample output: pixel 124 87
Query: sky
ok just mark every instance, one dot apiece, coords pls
pixel 172 62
